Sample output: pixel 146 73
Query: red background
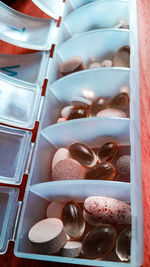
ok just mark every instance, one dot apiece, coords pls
pixel 27 7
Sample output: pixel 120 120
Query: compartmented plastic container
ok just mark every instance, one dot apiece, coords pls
pixel 24 76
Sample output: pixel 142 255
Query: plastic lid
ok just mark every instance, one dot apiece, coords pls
pixel 8 207
pixel 19 102
pixel 22 30
pixel 15 145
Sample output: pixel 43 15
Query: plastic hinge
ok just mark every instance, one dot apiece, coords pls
pixel 29 158
pixel 40 108
pixel 48 68
pixel 17 221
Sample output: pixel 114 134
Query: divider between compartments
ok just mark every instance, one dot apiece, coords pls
pixel 21 30
pixel 78 190
pixel 92 131
pixel 90 83
pixel 96 15
pixel 100 44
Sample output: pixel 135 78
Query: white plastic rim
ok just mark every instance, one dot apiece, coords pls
pixel 97 15
pixel 21 30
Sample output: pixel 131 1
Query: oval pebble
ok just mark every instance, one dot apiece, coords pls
pixel 61 153
pixel 94 65
pixel 80 101
pixel 54 209
pixel 68 169
pixel 120 101
pixel 82 153
pixel 102 171
pixel 108 210
pixel 65 112
pixel 123 165
pixel 123 245
pixel 106 63
pixel 73 220
pixel 99 241
pixel 122 57
pixel 71 65
pixel 48 236
pixel 61 120
pixel 98 104
pixel 111 112
pixel 71 249
pixel 107 151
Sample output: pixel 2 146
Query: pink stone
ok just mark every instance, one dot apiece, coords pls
pixel 61 153
pixel 108 210
pixel 106 63
pixel 68 169
pixel 111 112
pixel 61 120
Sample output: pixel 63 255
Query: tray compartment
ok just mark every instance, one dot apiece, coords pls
pixel 96 15
pixel 19 102
pixel 39 196
pixel 99 44
pixel 25 35
pixel 91 83
pixel 15 146
pixel 30 68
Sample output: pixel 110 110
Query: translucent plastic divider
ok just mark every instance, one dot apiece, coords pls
pixel 15 146
pixel 30 68
pixel 22 30
pixel 96 15
pixel 52 8
pixel 98 44
pixel 8 207
pixel 92 131
pixel 59 191
pixel 79 3
pixel 78 190
pixel 90 84
pixel 19 102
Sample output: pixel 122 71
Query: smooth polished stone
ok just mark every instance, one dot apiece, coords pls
pixel 123 245
pixel 111 112
pixel 71 65
pixel 78 112
pixel 99 241
pixel 123 165
pixel 122 57
pixel 107 151
pixel 68 169
pixel 108 210
pixel 106 63
pixel 73 220
pixel 102 171
pixel 98 104
pixel 82 153
pixel 120 101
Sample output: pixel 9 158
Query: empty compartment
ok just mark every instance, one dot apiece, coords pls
pixel 30 68
pixel 96 15
pixel 86 85
pixel 92 46
pixel 22 30
pixel 19 102
pixel 8 207
pixel 41 195
pixel 93 132
pixel 53 8
pixel 15 145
